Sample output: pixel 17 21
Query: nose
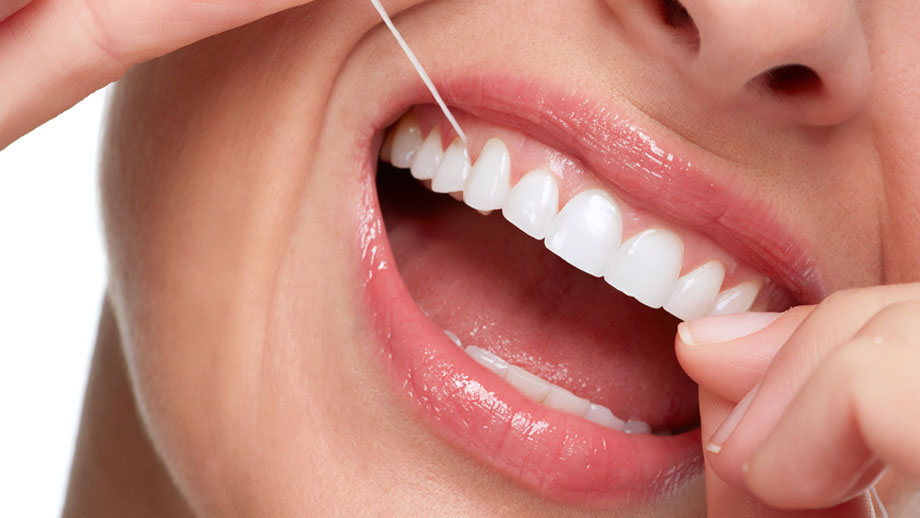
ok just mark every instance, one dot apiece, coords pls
pixel 804 61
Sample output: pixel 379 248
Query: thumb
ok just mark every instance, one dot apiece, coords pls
pixel 728 355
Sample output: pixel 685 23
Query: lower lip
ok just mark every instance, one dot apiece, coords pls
pixel 562 457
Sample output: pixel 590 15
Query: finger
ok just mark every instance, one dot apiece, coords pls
pixel 724 500
pixel 857 413
pixel 729 354
pixel 55 52
pixel 11 6
pixel 834 322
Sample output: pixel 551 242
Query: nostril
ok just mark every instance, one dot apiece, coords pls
pixel 675 15
pixel 792 80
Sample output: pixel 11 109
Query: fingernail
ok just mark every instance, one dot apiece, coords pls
pixel 722 328
pixel 731 422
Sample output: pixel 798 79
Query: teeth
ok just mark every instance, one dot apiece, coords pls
pixel 453 169
pixel 695 293
pixel 453 338
pixel 407 139
pixel 490 361
pixel 604 417
pixel 532 386
pixel 541 391
pixel 386 149
pixel 533 203
pixel 490 178
pixel 561 399
pixel 646 267
pixel 737 299
pixel 636 427
pixel 586 231
pixel 426 161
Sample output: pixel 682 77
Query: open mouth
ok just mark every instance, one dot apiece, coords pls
pixel 533 314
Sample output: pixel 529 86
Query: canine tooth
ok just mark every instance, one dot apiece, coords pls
pixel 407 139
pixel 533 387
pixel 453 338
pixel 737 299
pixel 426 161
pixel 561 399
pixel 647 265
pixel 453 169
pixel 636 427
pixel 533 203
pixel 586 231
pixel 604 417
pixel 695 293
pixel 488 360
pixel 490 178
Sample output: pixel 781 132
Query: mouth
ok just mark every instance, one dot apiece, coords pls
pixel 526 286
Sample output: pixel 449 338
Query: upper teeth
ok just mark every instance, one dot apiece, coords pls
pixel 586 232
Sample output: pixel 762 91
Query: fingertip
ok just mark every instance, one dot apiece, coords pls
pixel 724 328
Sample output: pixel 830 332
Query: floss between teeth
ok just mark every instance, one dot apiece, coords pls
pixel 418 68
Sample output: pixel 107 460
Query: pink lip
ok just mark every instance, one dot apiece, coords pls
pixel 560 456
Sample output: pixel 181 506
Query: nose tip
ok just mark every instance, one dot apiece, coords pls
pixel 800 60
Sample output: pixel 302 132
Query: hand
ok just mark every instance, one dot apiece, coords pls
pixel 806 409
pixel 55 52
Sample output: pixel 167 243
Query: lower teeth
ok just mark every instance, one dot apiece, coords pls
pixel 541 391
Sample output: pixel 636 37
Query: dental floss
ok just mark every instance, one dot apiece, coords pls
pixel 418 68
pixel 878 502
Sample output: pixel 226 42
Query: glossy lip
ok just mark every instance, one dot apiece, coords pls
pixel 560 456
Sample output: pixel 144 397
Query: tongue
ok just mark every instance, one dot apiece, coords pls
pixel 497 288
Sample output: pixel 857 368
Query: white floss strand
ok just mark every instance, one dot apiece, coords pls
pixel 418 68
pixel 878 502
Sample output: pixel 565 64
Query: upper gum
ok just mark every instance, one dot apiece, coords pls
pixel 528 154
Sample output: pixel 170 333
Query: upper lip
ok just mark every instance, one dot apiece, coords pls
pixel 660 172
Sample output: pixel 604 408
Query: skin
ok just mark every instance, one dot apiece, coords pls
pixel 243 342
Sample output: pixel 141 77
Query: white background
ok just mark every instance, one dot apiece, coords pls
pixel 52 277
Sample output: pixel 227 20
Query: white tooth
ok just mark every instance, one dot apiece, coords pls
pixel 561 399
pixel 695 293
pixel 453 338
pixel 490 177
pixel 426 161
pixel 532 386
pixel 533 203
pixel 453 169
pixel 737 299
pixel 586 231
pixel 386 149
pixel 407 139
pixel 636 427
pixel 604 417
pixel 646 267
pixel 488 360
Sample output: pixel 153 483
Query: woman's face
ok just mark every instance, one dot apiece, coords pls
pixel 283 323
